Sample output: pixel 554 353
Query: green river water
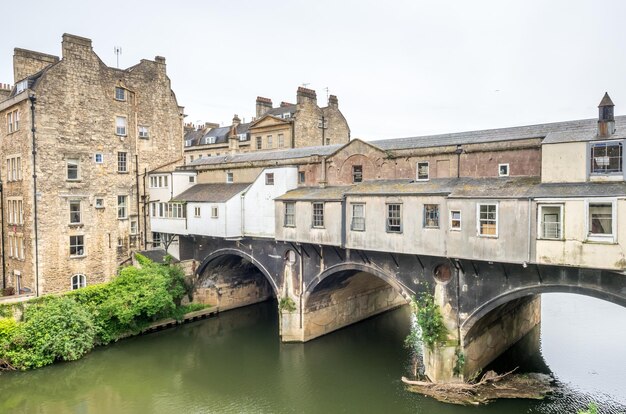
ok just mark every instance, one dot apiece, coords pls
pixel 235 363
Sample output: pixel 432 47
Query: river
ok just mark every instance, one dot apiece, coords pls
pixel 235 363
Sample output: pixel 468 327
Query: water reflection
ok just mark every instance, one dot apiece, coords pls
pixel 235 363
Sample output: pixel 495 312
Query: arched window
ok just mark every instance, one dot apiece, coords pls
pixel 79 281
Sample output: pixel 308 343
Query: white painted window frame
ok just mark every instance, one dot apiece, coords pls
pixel 601 238
pixel 489 236
pixel 540 207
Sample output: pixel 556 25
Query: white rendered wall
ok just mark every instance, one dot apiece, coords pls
pixel 259 206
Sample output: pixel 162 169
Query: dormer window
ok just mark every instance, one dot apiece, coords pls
pixel 606 158
pixel 210 140
pixel 21 86
pixel 243 137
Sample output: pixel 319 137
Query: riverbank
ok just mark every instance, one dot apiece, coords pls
pixel 65 327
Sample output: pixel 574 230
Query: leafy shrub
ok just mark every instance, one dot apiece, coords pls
pixel 287 304
pixel 55 329
pixel 430 320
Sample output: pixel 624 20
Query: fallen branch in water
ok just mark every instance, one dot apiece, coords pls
pixel 534 386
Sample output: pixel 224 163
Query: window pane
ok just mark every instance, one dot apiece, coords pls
pixel 318 214
pixel 75 212
pixel 601 219
pixel 394 223
pixel 431 215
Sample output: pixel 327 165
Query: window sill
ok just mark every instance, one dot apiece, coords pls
pixel 431 227
pixel 78 257
pixel 122 218
pixel 394 231
pixel 547 239
pixel 76 225
pixel 488 236
pixel 600 240
pixel 122 172
pixel 74 180
pixel 359 230
pixel 318 227
pixel 456 229
pixel 606 177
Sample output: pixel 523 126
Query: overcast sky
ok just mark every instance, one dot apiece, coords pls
pixel 399 68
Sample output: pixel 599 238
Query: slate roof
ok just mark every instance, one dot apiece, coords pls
pixel 267 155
pixel 587 134
pixel 476 188
pixel 282 109
pixel 495 135
pixel 220 134
pixel 211 193
pixel 315 193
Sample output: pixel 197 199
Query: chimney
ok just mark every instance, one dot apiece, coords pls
pixel 5 90
pixel 306 95
pixel 75 46
pixel 284 104
pixel 211 125
pixel 236 120
pixel 333 102
pixel 606 119
pixel 262 106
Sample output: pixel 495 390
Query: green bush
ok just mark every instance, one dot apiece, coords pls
pixel 55 329
pixel 430 320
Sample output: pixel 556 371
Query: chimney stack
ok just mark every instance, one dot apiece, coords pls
pixel 236 120
pixel 306 95
pixel 606 118
pixel 262 106
pixel 333 101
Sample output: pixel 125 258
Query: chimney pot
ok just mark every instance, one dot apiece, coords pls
pixel 606 117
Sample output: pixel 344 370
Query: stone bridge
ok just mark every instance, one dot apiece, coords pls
pixel 487 306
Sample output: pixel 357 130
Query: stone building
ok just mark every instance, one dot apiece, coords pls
pixel 77 140
pixel 303 124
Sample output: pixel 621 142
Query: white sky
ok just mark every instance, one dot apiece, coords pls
pixel 399 68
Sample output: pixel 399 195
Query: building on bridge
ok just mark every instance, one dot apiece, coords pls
pixel 484 220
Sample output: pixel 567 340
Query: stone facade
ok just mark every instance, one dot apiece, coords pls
pixel 97 130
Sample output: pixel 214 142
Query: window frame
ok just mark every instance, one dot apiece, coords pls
pixel 417 171
pixel 215 212
pixel 259 143
pixel 197 212
pixel 270 141
pixel 118 128
pixel 76 246
pixel 388 218
pixel 98 158
pixel 452 220
pixel 601 237
pixel 120 96
pixel 354 224
pixel 229 177
pixel 143 132
pixel 75 214
pixel 606 144
pixel 301 177
pixel 317 217
pixel 122 207
pixel 426 214
pixel 479 220
pixel 289 218
pixel 508 170
pixel 357 172
pixel 72 162
pixel 269 178
pixel 78 281
pixel 122 162
pixel 541 222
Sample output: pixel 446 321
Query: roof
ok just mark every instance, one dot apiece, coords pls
pixel 315 193
pixel 476 188
pixel 493 135
pixel 291 108
pixel 274 155
pixel 211 193
pixel 243 128
pixel 587 134
pixel 606 100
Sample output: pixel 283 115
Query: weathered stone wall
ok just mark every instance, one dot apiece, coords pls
pixel 498 331
pixel 76 114
pixel 27 62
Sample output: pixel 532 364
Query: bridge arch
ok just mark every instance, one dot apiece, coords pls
pixel 220 253
pixel 357 267
pixel 508 296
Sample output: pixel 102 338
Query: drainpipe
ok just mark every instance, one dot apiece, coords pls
pixel 343 221
pixel 458 153
pixel 145 220
pixel 33 99
pixel 243 213
pixel 529 229
pixel 4 263
pixel 137 185
pixel 323 182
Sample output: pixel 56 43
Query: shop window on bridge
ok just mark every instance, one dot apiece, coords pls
pixel 551 222
pixel 318 215
pixel 358 217
pixel 601 221
pixel 290 214
pixel 431 215
pixel 606 158
pixel 394 218
pixel 488 220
